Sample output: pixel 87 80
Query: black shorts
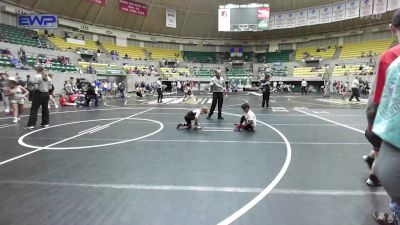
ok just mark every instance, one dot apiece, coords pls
pixel 374 139
pixel 189 117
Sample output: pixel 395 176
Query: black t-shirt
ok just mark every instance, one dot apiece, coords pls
pixel 90 91
pixel 266 86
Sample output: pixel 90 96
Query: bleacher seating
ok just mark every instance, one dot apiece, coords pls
pixel 308 71
pixel 352 69
pixel 102 68
pixel 18 36
pixel 271 57
pixel 247 56
pixel 314 53
pixel 5 62
pixel 203 73
pixel 63 45
pixel 237 73
pixel 134 52
pixel 200 57
pixel 159 53
pixel 279 71
pixel 174 72
pixel 357 50
pixel 54 64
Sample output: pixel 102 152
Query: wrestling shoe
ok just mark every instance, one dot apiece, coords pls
pixel 373 181
pixel 369 160
pixel 384 218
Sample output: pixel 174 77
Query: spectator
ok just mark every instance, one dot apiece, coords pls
pixel 385 126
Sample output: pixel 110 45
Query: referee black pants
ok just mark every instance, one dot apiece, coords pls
pixel 217 97
pixel 39 99
pixel 266 99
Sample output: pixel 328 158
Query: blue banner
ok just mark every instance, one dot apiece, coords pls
pixel 37 21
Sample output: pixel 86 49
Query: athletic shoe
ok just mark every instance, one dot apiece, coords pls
pixel 197 127
pixel 48 107
pixel 179 126
pixel 384 218
pixel 368 160
pixel 208 117
pixel 373 181
pixel 15 120
pixel 56 106
pixel 19 118
pixel 7 111
pixel 236 129
pixel 221 118
pixel 29 127
pixel 45 125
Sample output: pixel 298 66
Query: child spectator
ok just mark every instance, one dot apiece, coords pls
pixel 64 103
pixel 193 115
pixel 17 95
pixel 248 121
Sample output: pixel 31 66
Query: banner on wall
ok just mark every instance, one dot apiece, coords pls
pixel 133 7
pixel 224 19
pixel 325 14
pixel 100 2
pixel 271 22
pixel 366 8
pixel 393 5
pixel 380 6
pixel 263 18
pixel 37 21
pixel 291 19
pixel 339 11
pixel 301 18
pixel 280 20
pixel 170 18
pixel 313 15
pixel 352 9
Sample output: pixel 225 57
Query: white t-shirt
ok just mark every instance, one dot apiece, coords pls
pixel 304 83
pixel 197 113
pixel 250 116
pixel 355 84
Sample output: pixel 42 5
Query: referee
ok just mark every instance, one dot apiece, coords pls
pixel 266 90
pixel 217 86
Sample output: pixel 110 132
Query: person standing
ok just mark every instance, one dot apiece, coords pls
pixel 40 99
pixel 29 86
pixel 17 95
pixel 381 104
pixel 217 85
pixel 51 94
pixel 304 85
pixel 355 89
pixel 159 90
pixel 266 90
pixel 3 90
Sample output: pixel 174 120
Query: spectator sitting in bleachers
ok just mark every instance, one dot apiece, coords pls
pixel 22 55
pixel 126 56
pixel 3 39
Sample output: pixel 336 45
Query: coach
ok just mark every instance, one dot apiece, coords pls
pixel 217 87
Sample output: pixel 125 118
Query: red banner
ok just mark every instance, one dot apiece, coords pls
pixel 133 7
pixel 100 2
pixel 263 13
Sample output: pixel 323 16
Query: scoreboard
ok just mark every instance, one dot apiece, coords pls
pixel 239 18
